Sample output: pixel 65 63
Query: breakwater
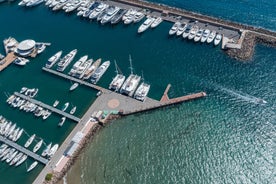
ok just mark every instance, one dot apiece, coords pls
pixel 246 44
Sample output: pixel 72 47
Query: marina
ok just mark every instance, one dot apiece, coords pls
pixel 111 104
pixel 24 150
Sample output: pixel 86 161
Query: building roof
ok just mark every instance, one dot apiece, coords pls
pixel 26 45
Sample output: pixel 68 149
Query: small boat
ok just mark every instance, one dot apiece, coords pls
pixel 65 106
pixel 73 110
pixel 211 36
pixel 4 153
pixel 156 22
pixel 40 48
pixel 46 114
pixel 61 122
pixel 37 146
pixel 53 150
pixel 52 60
pixel 99 93
pixel 32 166
pixel 205 35
pixel 21 160
pixel 46 150
pixel 56 103
pixel 29 141
pixel 74 86
pixel 217 39
pixel 16 158
pixel 20 61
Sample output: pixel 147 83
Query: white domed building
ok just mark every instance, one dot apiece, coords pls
pixel 25 48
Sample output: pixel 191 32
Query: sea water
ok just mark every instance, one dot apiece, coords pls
pixel 222 138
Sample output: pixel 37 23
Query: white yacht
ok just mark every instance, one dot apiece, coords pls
pixel 205 35
pixel 110 12
pixel 90 9
pixel 34 164
pixel 53 59
pixel 74 86
pixel 29 141
pixel 16 158
pixel 156 22
pixel 211 37
pixel 198 35
pixel 146 24
pixel 37 146
pixel 92 69
pixel 19 134
pixel 40 47
pixel 75 4
pixel 53 150
pixel 11 156
pixel 73 110
pixel 58 5
pixel 21 160
pixel 142 92
pixel 217 39
pixel 138 16
pixel 66 60
pixel 78 65
pixel 99 72
pixel 46 114
pixel 82 71
pixel 56 103
pixel 46 150
pixel 23 2
pixel 65 106
pixel 4 153
pixel 20 61
pixel 118 80
pixel 181 29
pixel 34 2
pixel 174 28
pixel 187 31
pixel 129 16
pixel 193 32
pixel 100 8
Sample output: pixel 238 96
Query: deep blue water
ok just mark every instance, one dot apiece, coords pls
pixel 224 138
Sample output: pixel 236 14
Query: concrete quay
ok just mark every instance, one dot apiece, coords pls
pixel 5 62
pixel 24 150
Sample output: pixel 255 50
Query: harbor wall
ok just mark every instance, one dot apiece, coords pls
pixel 253 36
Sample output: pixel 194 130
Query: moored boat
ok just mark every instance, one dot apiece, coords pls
pixel 156 22
pixel 53 150
pixel 205 35
pixel 32 166
pixel 91 69
pixel 211 36
pixel 74 86
pixel 118 80
pixel 99 72
pixel 37 146
pixel 53 59
pixel 217 39
pixel 174 28
pixel 21 160
pixel 118 16
pixel 73 110
pixel 65 106
pixel 29 141
pixel 16 158
pixel 146 24
pixel 142 91
pixel 66 60
pixel 46 150
pixel 56 103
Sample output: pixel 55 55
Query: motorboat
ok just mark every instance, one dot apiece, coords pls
pixel 187 31
pixel 32 166
pixel 59 5
pixel 29 141
pixel 146 24
pixel 74 86
pixel 37 146
pixel 90 9
pixel 217 39
pixel 65 106
pixel 23 89
pixel 181 29
pixel 73 110
pixel 40 48
pixel 23 2
pixel 83 68
pixel 92 69
pixel 138 16
pixel 99 9
pixel 99 72
pixel 205 35
pixel 9 154
pixel 118 16
pixel 61 122
pixel 211 36
pixel 21 160
pixel 142 91
pixel 110 12
pixel 16 158
pixel 34 2
pixel 53 150
pixel 11 157
pixel 198 35
pixel 129 17
pixel 38 111
pixel 46 150
pixel 52 60
pixel 20 61
pixel 46 114
pixel 19 134
pixel 193 32
pixel 174 28
pixel 4 153
pixel 66 60
pixel 156 22
pixel 75 5
pixel 56 103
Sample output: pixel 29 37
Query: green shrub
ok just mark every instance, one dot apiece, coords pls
pixel 48 176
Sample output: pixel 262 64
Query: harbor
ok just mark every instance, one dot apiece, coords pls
pixel 98 104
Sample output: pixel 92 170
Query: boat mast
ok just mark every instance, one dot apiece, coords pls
pixel 130 62
pixel 117 69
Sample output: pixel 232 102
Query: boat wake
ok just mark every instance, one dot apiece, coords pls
pixel 241 95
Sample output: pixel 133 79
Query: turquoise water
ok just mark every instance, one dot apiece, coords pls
pixel 224 138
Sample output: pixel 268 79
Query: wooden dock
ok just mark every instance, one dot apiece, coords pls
pixel 51 108
pixel 5 62
pixel 24 150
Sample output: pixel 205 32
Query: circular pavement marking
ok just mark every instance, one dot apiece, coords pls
pixel 113 103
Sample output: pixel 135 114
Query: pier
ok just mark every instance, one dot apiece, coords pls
pixel 24 150
pixel 5 62
pixel 53 109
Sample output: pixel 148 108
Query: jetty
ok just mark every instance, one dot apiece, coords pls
pixel 51 108
pixel 24 150
pixel 6 61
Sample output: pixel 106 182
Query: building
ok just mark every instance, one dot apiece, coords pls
pixel 25 48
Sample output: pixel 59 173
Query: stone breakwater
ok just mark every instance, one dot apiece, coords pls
pixel 254 34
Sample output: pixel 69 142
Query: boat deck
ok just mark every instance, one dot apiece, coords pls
pixel 51 108
pixel 24 150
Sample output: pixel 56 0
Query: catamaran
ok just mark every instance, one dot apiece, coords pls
pixel 118 80
pixel 142 92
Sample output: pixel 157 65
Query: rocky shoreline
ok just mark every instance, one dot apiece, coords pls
pixel 253 36
pixel 57 176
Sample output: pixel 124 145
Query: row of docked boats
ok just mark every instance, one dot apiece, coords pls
pixel 194 32
pixel 151 22
pixel 11 155
pixel 129 86
pixel 30 92
pixel 9 130
pixel 30 3
pixel 28 106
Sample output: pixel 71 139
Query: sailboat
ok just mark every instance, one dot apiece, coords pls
pixel 118 80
